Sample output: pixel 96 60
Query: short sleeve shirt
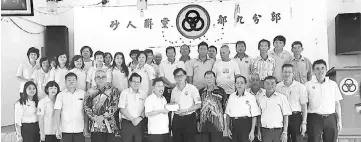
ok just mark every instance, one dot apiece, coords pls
pixel 244 65
pixel 25 113
pixel 58 75
pixel 25 70
pixel 225 74
pixel 158 124
pixel 46 109
pixel 242 105
pixel 196 69
pixel 148 74
pixel 283 58
pixel 166 69
pixel 132 101
pixel 296 94
pixel 302 69
pixel 264 67
pixel 187 97
pixel 41 78
pixel 117 78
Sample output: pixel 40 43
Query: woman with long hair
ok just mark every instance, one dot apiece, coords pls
pixel 58 73
pixel 26 121
pixel 118 74
pixel 46 113
pixel 77 67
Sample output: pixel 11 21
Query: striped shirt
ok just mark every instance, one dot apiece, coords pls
pixel 263 67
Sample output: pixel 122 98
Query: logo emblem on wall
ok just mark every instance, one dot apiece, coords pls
pixel 193 21
pixel 348 86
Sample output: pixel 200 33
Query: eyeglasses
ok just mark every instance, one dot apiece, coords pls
pixel 101 77
pixel 136 82
pixel 179 76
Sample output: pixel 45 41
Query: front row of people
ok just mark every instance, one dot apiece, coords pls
pixel 279 111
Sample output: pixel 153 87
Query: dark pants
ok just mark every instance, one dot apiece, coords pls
pixel 240 129
pixel 271 135
pixel 184 128
pixel 129 131
pixel 294 131
pixel 73 137
pixel 321 126
pixel 30 132
pixel 167 93
pixel 102 137
pixel 256 135
pixel 210 133
pixel 158 138
pixel 51 138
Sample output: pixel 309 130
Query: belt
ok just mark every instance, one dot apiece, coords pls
pixel 272 129
pixel 296 112
pixel 243 117
pixel 184 115
pixel 325 115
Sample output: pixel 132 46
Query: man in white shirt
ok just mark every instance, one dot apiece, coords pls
pixel 243 60
pixel 255 85
pixel 184 124
pixel 131 104
pixel 226 69
pixel 198 66
pixel 166 69
pixel 297 97
pixel 158 123
pixel 99 65
pixel 324 108
pixel 69 112
pixel 280 55
pixel 242 110
pixel 275 111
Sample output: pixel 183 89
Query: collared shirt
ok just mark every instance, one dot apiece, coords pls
pixel 41 78
pixel 117 78
pixel 88 65
pixel 148 74
pixel 156 69
pixel 280 59
pixel 225 73
pixel 187 97
pixel 166 69
pixel 242 105
pixel 58 75
pixel 46 109
pixel 302 69
pixel 322 97
pixel 90 77
pixel 72 112
pixel 133 102
pixel 81 78
pixel 273 109
pixel 260 92
pixel 244 65
pixel 263 67
pixel 157 124
pixel 25 70
pixel 196 68
pixel 296 94
pixel 25 113
pixel 99 101
pixel 213 106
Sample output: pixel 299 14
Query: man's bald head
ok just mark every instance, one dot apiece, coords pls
pixel 254 79
pixel 224 51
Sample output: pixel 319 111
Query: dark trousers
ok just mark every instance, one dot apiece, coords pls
pixel 30 132
pixel 72 137
pixel 129 131
pixel 294 131
pixel 158 138
pixel 256 135
pixel 184 128
pixel 210 133
pixel 321 126
pixel 167 93
pixel 271 135
pixel 51 138
pixel 240 129
pixel 102 137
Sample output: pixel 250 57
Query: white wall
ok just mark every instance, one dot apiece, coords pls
pixel 335 7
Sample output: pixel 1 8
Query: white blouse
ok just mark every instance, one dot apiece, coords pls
pixel 147 73
pixel 117 78
pixel 25 113
pixel 58 75
pixel 46 109
pixel 41 78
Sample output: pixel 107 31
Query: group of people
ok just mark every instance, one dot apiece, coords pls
pixel 274 97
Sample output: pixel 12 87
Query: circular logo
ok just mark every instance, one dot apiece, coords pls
pixel 348 86
pixel 193 21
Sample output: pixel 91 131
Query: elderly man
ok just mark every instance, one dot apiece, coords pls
pixel 158 58
pixel 101 103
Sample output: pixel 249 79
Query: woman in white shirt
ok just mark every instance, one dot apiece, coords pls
pixel 58 73
pixel 45 113
pixel 26 69
pixel 26 121
pixel 146 72
pixel 77 67
pixel 118 74
pixel 87 53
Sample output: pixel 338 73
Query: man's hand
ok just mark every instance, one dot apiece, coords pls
pixel 181 112
pixel 86 133
pixel 251 136
pixel 58 134
pixel 106 115
pixel 136 121
pixel 19 138
pixel 284 137
pixel 303 129
pixel 230 133
pixel 42 137
pixel 259 136
pixel 339 126
pixel 99 119
pixel 164 111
